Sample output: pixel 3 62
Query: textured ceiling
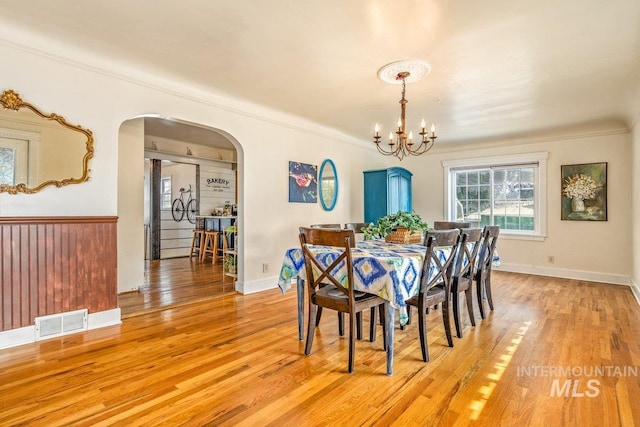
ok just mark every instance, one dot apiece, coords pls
pixel 500 68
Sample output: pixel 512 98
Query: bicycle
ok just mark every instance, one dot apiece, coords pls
pixel 179 207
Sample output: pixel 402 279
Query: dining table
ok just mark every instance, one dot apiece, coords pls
pixel 389 270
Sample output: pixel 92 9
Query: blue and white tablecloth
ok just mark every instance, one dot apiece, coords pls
pixel 389 270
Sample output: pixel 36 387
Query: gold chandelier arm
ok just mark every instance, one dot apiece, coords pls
pixel 422 148
pixel 392 152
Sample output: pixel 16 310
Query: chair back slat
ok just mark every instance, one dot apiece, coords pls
pixel 332 226
pixel 487 249
pixel 437 269
pixel 344 239
pixel 357 227
pixel 468 252
pixel 449 225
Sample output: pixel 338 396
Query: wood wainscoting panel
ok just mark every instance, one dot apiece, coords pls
pixel 56 264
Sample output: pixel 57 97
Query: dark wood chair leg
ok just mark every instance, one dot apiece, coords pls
pixel 479 297
pixel 403 327
pixel 352 340
pixel 373 325
pixel 384 326
pixel 422 331
pixel 469 298
pixel 447 322
pixel 359 325
pixel 300 285
pixel 340 324
pixel 318 316
pixel 456 311
pixel 487 287
pixel 310 329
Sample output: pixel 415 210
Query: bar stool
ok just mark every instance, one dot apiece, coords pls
pixel 196 243
pixel 198 239
pixel 224 247
pixel 212 247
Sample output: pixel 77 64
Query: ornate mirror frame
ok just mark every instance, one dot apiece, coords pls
pixel 10 100
pixel 328 168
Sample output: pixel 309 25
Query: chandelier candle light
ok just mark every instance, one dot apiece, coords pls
pixel 403 144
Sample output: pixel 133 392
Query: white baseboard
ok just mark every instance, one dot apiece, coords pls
pixel 635 288
pixel 19 336
pixel 591 276
pixel 104 318
pixel 27 334
pixel 257 285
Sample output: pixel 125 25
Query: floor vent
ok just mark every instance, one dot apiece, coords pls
pixel 56 325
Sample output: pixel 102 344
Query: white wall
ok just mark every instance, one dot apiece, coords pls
pixel 635 201
pixel 582 249
pixel 179 148
pixel 214 163
pixel 130 209
pixel 176 236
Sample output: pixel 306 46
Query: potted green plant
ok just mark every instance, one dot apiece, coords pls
pixel 407 224
pixel 230 264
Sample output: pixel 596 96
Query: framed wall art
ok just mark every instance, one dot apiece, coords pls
pixel 584 192
pixel 303 182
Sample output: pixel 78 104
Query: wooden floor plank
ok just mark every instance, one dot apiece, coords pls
pixel 236 360
pixel 174 282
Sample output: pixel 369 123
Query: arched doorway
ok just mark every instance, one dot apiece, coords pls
pixel 177 154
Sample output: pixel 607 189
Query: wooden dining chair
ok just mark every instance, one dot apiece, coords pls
pixel 435 282
pixel 485 262
pixel 357 227
pixel 326 289
pixel 448 225
pixel 340 315
pixel 463 274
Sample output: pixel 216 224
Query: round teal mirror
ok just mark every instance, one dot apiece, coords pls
pixel 328 185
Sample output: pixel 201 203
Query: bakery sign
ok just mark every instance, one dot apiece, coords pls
pixel 218 184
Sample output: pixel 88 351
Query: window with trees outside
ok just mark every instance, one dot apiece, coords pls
pixel 508 191
pixel 165 192
pixel 7 166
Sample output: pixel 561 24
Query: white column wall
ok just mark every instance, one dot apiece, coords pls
pixel 635 209
pixel 130 209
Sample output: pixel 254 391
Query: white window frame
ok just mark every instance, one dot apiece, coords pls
pixel 163 193
pixel 540 192
pixel 26 145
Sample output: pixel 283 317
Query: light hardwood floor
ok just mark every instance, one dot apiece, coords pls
pixel 236 360
pixel 173 283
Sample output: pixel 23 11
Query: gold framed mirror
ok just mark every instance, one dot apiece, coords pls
pixel 38 150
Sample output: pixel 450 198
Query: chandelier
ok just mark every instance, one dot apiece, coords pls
pixel 403 144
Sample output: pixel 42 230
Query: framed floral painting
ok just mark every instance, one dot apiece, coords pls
pixel 303 183
pixel 584 192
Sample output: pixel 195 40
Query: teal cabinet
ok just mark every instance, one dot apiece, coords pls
pixel 386 191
